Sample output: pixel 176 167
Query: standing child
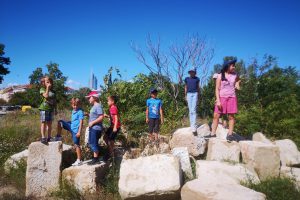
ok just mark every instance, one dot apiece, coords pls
pixel 74 127
pixel 95 125
pixel 114 128
pixel 226 100
pixel 47 107
pixel 154 113
pixel 192 93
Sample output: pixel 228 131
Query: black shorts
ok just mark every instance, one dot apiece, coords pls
pixel 153 125
pixel 111 135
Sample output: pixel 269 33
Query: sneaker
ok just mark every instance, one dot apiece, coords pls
pixel 195 133
pixel 49 139
pixel 238 137
pixel 58 138
pixel 210 136
pixel 77 163
pixel 94 161
pixel 44 141
pixel 230 138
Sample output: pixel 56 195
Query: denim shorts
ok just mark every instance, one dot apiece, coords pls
pixel 94 136
pixel 46 116
pixel 67 126
pixel 111 135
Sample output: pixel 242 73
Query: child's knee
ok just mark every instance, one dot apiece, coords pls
pixel 231 117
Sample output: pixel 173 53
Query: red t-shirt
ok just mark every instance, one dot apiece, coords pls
pixel 113 110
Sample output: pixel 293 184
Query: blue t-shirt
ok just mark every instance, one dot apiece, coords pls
pixel 192 84
pixel 77 115
pixel 154 106
pixel 95 112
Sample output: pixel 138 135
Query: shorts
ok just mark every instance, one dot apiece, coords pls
pixel 229 106
pixel 153 125
pixel 67 126
pixel 46 116
pixel 112 135
pixel 94 136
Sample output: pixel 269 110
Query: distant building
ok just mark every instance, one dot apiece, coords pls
pixel 7 93
pixel 93 82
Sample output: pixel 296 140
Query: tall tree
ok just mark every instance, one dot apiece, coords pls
pixel 3 61
pixel 36 76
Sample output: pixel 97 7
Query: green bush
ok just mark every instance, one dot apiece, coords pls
pixel 277 189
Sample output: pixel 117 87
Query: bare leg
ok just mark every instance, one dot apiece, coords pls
pixel 59 129
pixel 231 123
pixel 49 128
pixel 78 152
pixel 215 123
pixel 43 129
pixel 155 136
pixel 96 154
pixel 111 148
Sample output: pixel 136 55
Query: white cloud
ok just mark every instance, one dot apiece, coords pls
pixel 73 84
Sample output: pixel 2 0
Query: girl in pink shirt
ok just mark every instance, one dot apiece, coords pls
pixel 226 100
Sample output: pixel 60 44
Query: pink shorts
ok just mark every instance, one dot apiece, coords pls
pixel 229 106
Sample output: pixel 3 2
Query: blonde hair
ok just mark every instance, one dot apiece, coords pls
pixel 42 81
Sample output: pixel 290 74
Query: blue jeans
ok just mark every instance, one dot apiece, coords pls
pixel 192 99
pixel 94 136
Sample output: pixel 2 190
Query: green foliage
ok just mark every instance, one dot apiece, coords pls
pixel 3 61
pixel 277 189
pixel 81 93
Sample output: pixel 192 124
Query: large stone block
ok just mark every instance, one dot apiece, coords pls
pixel 85 178
pixel 153 177
pixel 43 168
pixel 221 150
pixel 264 158
pixel 229 173
pixel 183 155
pixel 212 189
pixel 289 154
pixel 184 137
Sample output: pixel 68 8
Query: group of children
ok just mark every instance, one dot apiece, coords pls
pixel 226 104
pixel 75 126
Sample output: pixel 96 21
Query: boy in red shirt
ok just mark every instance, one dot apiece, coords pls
pixel 114 128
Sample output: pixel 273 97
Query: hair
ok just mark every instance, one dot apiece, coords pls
pixel 96 99
pixel 42 81
pixel 113 98
pixel 223 70
pixel 75 101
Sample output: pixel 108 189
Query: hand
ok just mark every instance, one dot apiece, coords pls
pixel 86 114
pixel 91 124
pixel 105 115
pixel 218 103
pixel 115 130
pixel 237 86
pixel 78 135
pixel 147 120
pixel 48 85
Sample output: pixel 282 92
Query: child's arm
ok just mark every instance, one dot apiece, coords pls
pixel 217 92
pixel 237 83
pixel 161 115
pixel 80 128
pixel 116 123
pixel 96 121
pixel 147 112
pixel 185 91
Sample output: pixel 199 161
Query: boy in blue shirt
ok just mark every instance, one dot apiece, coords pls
pixel 154 113
pixel 74 127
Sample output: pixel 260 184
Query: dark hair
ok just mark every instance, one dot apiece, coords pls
pixel 114 98
pixel 223 70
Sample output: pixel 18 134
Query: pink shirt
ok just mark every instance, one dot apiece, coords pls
pixel 227 88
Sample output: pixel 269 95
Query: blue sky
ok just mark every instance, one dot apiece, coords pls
pixel 93 35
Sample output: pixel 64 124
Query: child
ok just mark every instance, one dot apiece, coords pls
pixel 74 127
pixel 154 112
pixel 192 93
pixel 95 125
pixel 47 107
pixel 114 128
pixel 226 100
